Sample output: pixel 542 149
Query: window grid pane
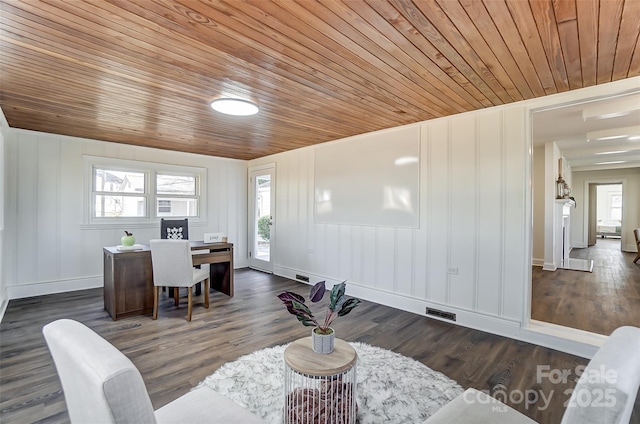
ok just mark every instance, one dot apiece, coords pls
pixel 175 185
pixel 112 181
pixel 113 206
pixel 178 206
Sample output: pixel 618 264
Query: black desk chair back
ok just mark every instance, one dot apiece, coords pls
pixel 174 229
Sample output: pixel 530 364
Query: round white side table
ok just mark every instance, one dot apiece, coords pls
pixel 320 388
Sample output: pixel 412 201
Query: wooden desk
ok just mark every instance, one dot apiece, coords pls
pixel 128 276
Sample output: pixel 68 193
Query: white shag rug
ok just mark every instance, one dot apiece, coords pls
pixel 391 387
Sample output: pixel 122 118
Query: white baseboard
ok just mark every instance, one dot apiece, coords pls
pixel 569 340
pixel 61 286
pixel 537 262
pixel 575 342
pixel 313 278
pixel 51 287
pixel 549 266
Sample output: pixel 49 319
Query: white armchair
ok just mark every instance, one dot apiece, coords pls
pixel 612 378
pixel 101 385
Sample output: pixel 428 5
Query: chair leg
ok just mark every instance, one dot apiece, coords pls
pixel 190 303
pixel 156 293
pixel 637 256
pixel 206 293
pixel 176 296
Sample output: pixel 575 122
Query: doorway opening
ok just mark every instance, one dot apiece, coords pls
pixel 262 217
pixel 581 306
pixel 605 212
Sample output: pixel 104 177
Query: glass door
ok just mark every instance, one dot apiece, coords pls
pixel 262 228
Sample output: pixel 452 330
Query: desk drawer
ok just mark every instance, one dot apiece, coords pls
pixel 211 257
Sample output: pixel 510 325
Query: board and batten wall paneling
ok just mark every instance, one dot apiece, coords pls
pixel 462 207
pixel 489 238
pixel 516 253
pixel 438 190
pixel 47 211
pixel 51 248
pixel 4 133
pixel 26 209
pixel 467 256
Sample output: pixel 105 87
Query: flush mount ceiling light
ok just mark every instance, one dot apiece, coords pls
pixel 236 107
pixel 615 152
pixel 611 109
pixel 613 162
pixel 612 137
pixel 613 133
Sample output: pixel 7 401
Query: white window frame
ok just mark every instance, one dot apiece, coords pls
pixel 610 206
pixel 150 169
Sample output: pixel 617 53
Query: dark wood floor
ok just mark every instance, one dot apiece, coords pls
pixel 174 355
pixel 598 301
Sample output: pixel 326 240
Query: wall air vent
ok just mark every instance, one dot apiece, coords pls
pixel 441 314
pixel 302 278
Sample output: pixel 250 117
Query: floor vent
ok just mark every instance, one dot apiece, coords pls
pixel 441 314
pixel 302 278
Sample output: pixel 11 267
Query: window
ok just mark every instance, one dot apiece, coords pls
pixel 119 193
pixel 176 195
pixel 127 191
pixel 615 206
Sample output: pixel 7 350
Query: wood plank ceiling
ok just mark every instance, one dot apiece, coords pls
pixel 143 72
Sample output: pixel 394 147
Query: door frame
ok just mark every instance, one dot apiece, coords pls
pixel 252 219
pixel 587 216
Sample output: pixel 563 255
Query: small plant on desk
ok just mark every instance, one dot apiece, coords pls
pixel 128 239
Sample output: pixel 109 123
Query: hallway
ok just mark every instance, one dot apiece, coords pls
pixel 598 302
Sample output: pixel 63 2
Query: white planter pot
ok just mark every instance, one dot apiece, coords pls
pixel 322 343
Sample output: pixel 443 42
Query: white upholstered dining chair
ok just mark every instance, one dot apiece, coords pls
pixel 102 385
pixel 173 267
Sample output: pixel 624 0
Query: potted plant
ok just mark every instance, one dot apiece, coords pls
pixel 322 334
pixel 128 239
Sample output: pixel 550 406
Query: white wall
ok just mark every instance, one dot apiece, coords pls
pixel 48 249
pixel 630 178
pixel 4 131
pixel 475 215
